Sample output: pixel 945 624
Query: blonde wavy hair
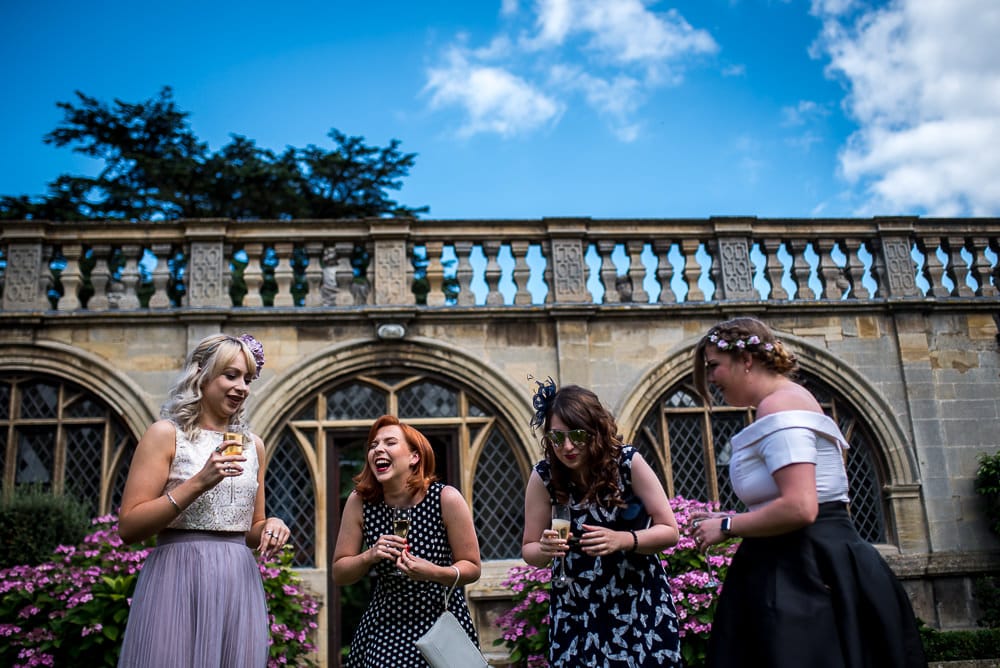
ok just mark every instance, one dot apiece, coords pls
pixel 204 364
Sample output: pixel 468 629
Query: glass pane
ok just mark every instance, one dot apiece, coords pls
pixel 36 447
pixel 39 400
pixel 865 491
pixel 355 402
pixel 724 427
pixel 427 399
pixel 687 456
pixel 290 496
pixel 83 463
pixel 84 406
pixel 5 401
pixel 498 500
pixel 121 475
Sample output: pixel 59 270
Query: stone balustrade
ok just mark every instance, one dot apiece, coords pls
pixel 471 264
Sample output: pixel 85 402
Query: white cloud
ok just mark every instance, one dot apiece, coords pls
pixel 924 88
pixel 493 99
pixel 619 50
pixel 616 99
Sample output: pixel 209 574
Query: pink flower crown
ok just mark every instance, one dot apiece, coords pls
pixel 749 344
pixel 256 349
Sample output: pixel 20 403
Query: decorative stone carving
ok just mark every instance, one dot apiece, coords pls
pixel 390 272
pixel 899 268
pixel 22 290
pixel 570 282
pixel 737 274
pixel 205 270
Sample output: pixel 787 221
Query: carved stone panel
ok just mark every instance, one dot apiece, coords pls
pixel 737 273
pixel 22 287
pixel 390 273
pixel 205 271
pixel 899 268
pixel 570 281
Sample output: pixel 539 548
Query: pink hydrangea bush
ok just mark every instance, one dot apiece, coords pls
pixel 524 629
pixel 73 609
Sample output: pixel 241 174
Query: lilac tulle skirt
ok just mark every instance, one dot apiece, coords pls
pixel 199 602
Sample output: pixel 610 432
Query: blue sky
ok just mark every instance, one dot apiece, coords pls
pixel 524 109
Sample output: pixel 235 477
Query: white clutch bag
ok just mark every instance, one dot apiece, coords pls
pixel 446 644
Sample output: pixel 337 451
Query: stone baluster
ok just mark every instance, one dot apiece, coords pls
pixel 664 270
pixel 464 273
pixel 854 270
pixel 130 276
pixel 344 292
pixel 228 271
pixel 831 276
pixel 435 273
pixel 773 268
pixel 934 270
pixel 692 270
pixel 284 275
pixel 313 273
pixel 100 278
pixel 522 272
pixel 608 272
pixel 71 278
pixel 958 270
pixel 637 271
pixel 253 276
pixel 800 269
pixel 493 273
pixel 981 268
pixel 995 247
pixel 161 276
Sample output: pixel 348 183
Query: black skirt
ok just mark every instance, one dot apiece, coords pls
pixel 817 597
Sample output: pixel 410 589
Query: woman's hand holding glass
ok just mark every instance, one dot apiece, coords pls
pixel 707 533
pixel 391 547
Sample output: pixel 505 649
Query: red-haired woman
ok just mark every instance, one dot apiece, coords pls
pixel 439 550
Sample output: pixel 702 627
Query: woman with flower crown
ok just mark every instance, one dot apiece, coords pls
pixel 804 589
pixel 199 600
pixel 616 608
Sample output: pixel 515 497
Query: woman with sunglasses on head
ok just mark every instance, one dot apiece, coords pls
pixel 804 589
pixel 617 609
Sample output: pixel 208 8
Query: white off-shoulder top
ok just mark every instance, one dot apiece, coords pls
pixel 780 439
pixel 213 511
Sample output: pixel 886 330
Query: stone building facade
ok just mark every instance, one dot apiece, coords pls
pixel 445 323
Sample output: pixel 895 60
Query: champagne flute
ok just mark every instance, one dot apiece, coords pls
pixel 712 582
pixel 233 449
pixel 561 523
pixel 401 524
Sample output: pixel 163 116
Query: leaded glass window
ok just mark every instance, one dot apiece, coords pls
pixel 61 437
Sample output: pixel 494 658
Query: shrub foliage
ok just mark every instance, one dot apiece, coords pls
pixel 34 521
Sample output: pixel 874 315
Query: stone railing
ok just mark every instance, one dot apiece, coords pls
pixel 347 264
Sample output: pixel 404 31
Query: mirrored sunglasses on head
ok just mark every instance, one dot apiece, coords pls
pixel 557 437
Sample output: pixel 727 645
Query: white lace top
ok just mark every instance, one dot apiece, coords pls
pixel 213 511
pixel 780 439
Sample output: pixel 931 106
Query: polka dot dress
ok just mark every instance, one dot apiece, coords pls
pixel 401 610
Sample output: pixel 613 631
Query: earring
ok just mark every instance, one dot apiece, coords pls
pixel 746 370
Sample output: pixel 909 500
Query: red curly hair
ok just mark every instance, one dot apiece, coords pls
pixel 421 474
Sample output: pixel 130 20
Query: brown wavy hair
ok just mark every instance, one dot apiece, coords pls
pixel 421 474
pixel 579 408
pixel 767 349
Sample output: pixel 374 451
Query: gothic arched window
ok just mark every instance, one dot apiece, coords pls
pixel 689 447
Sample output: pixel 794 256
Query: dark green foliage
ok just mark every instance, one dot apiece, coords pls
pixel 988 486
pixel 155 168
pixel 987 593
pixel 33 522
pixel 960 645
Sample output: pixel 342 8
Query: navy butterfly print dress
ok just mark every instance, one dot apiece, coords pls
pixel 618 610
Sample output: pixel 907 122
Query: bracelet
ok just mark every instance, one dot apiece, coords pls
pixel 635 541
pixel 173 502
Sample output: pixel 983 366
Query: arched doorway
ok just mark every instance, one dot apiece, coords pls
pixel 321 445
